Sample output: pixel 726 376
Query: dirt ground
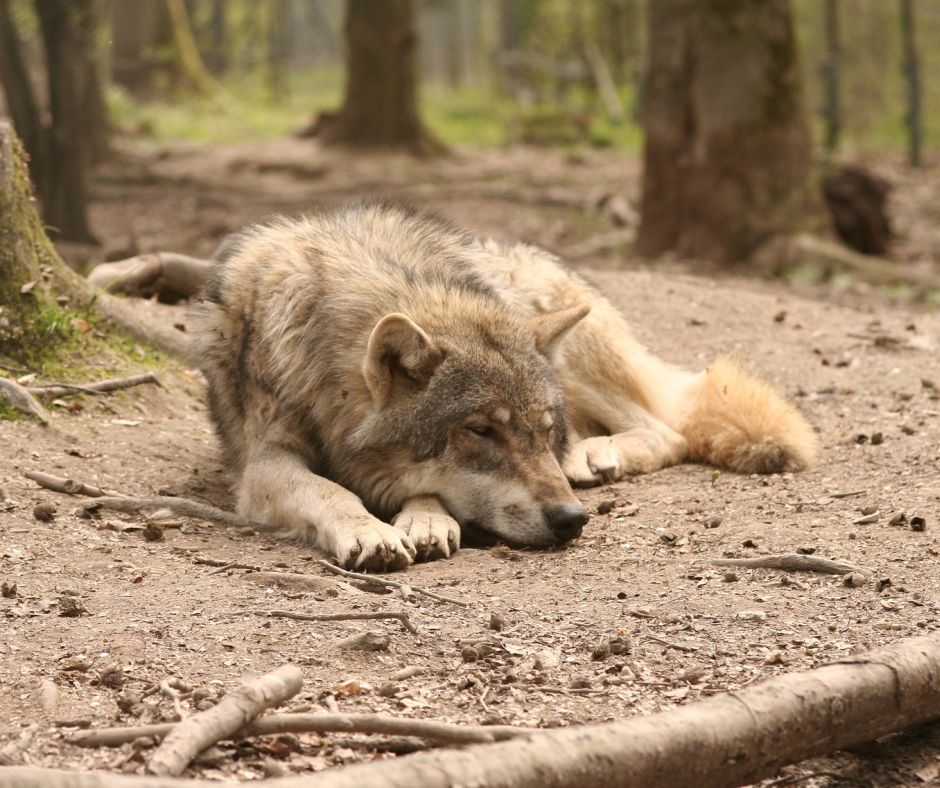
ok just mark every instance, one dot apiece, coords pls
pixel 865 371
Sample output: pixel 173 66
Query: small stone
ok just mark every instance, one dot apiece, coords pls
pixel 605 507
pixel 866 510
pixel 854 579
pixel 153 532
pixel 546 660
pixel 580 682
pixel 780 316
pixel 388 690
pixel 713 522
pixel 668 538
pixel 7 590
pixel 497 622
pixel 877 438
pixel 621 644
pixel 44 512
pixel 749 543
pixel 882 584
pixel 601 651
pixel 71 606
pixel 128 701
pixel 776 658
pixel 112 675
pixel 806 550
pixel 898 519
pixel 918 524
pixel 928 384
pixel 861 439
pixel 469 654
pixel 729 577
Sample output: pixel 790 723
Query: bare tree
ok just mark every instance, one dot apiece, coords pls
pixel 728 161
pixel 380 105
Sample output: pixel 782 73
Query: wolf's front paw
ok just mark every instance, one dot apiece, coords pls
pixel 374 546
pixel 433 534
pixel 593 461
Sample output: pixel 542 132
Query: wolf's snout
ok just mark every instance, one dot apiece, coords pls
pixel 566 520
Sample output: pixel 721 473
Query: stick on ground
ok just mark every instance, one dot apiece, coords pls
pixel 397 615
pixel 194 734
pixel 70 486
pixel 792 562
pixel 384 582
pixel 443 732
pixel 54 390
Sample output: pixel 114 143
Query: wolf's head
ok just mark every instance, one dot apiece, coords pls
pixel 476 408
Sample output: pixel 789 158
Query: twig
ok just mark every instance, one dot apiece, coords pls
pixel 53 390
pixel 233 712
pixel 233 565
pixel 16 396
pixel 792 562
pixel 175 696
pixel 122 503
pixel 397 615
pixel 386 583
pixel 181 506
pixel 670 644
pixel 319 723
pixel 565 690
pixel 850 494
pixel 70 486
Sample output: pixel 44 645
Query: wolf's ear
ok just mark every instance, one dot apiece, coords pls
pixel 398 345
pixel 550 329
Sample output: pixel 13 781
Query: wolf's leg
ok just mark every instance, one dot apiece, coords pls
pixel 644 448
pixel 279 489
pixel 433 532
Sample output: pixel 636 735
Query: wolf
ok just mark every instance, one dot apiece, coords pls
pixel 385 385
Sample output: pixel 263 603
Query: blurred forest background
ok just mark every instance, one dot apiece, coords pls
pixel 88 81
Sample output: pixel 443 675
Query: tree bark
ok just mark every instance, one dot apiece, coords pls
pixel 66 27
pixel 380 107
pixel 729 740
pixel 20 99
pixel 913 116
pixel 728 160
pixel 32 275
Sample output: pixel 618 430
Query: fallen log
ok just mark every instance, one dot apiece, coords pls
pixel 234 711
pixel 727 740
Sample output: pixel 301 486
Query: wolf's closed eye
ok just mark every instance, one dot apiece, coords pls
pixel 482 431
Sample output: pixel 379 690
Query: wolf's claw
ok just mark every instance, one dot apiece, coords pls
pixel 376 547
pixel 433 535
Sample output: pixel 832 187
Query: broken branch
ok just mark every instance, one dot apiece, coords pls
pixel 397 615
pixel 70 486
pixel 792 562
pixel 386 583
pixel 194 734
pixel 54 390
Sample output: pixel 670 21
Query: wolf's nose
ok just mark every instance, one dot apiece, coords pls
pixel 566 520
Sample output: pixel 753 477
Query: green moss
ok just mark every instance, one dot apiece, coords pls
pixel 9 413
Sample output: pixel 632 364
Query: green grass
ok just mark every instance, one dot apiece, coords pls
pixel 247 111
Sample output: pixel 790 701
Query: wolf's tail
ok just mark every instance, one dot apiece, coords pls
pixel 737 422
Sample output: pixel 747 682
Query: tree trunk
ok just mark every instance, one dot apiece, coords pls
pixel 33 277
pixel 20 99
pixel 380 108
pixel 832 73
pixel 31 273
pixel 913 117
pixel 66 27
pixel 728 160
